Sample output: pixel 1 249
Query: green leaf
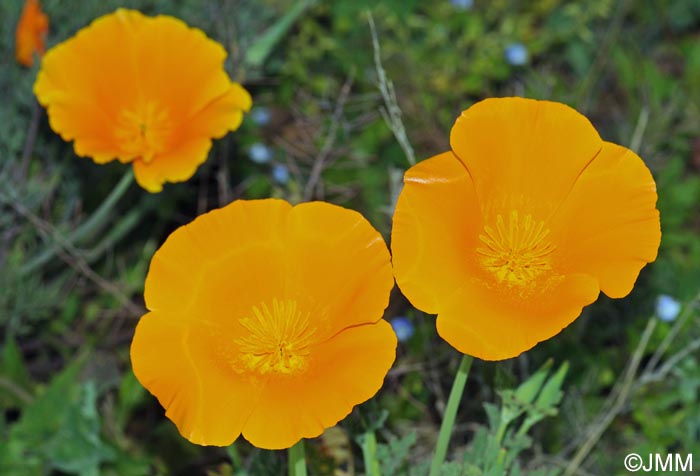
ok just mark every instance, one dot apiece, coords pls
pixel 13 369
pixel 393 457
pixel 59 430
pixel 528 390
pixel 493 414
pixel 131 393
pixel 265 43
pixel 77 448
pixel 551 391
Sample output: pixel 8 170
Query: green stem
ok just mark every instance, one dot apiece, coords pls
pixel 369 453
pixel 448 420
pixel 297 460
pixel 98 218
pixel 501 431
pixel 235 456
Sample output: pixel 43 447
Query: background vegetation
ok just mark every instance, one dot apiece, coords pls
pixel 326 125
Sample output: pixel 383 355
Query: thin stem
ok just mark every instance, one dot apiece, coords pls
pixel 297 460
pixel 391 113
pixel 71 256
pixel 235 456
pixel 448 420
pixel 369 454
pixel 24 396
pixel 21 172
pixel 620 398
pixel 98 218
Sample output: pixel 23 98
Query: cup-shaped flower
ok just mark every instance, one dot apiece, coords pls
pixel 144 90
pixel 511 233
pixel 30 35
pixel 266 320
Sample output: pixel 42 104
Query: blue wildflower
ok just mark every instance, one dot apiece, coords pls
pixel 280 173
pixel 403 328
pixel 261 116
pixel 516 54
pixel 260 153
pixel 667 308
pixel 462 4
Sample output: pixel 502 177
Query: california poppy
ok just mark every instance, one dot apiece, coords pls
pixel 265 320
pixel 511 233
pixel 30 36
pixel 144 90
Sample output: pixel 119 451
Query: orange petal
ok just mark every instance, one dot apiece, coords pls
pixel 435 224
pixel 180 161
pixel 237 247
pixel 184 367
pixel 176 165
pixel 30 36
pixel 346 370
pixel 496 323
pixel 86 81
pixel 609 221
pixel 339 265
pixel 523 154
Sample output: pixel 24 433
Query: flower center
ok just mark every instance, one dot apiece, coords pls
pixel 144 130
pixel 279 338
pixel 516 251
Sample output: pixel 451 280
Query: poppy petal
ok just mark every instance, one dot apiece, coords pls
pixel 237 243
pixel 30 36
pixel 347 369
pixel 523 153
pixel 491 324
pixel 181 160
pixel 436 220
pixel 609 221
pixel 184 367
pixel 351 294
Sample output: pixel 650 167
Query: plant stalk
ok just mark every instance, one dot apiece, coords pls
pixel 297 459
pixel 448 420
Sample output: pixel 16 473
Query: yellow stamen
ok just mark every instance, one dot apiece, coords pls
pixel 279 338
pixel 517 250
pixel 144 130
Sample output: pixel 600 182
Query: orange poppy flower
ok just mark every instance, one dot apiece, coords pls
pixel 146 90
pixel 265 320
pixel 510 234
pixel 30 36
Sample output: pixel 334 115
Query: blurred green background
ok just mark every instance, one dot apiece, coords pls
pixel 72 268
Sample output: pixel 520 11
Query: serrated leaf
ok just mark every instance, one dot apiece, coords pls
pixel 551 391
pixel 528 390
pixel 493 414
pixel 393 456
pixel 60 429
pixel 12 368
pixel 77 448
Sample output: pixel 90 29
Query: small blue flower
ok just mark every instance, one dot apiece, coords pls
pixel 403 328
pixel 667 308
pixel 516 54
pixel 261 116
pixel 280 173
pixel 260 153
pixel 462 4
